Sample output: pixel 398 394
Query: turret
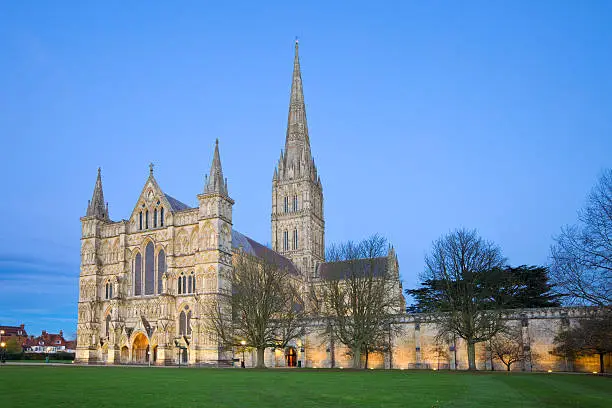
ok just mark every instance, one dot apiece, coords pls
pixel 96 207
pixel 215 222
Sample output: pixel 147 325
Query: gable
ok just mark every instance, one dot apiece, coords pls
pixel 151 200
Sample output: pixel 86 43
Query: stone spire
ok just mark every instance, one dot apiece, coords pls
pixel 215 183
pixel 96 207
pixel 297 142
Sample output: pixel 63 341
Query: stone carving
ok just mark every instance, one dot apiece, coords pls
pixel 186 217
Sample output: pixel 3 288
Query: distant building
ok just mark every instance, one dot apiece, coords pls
pixel 49 343
pixel 10 332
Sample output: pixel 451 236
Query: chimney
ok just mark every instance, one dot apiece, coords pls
pixel 22 326
pixel 61 334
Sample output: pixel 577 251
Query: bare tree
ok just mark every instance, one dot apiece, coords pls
pixel 360 295
pixel 582 254
pixel 507 347
pixel 264 308
pixel 591 336
pixel 440 350
pixel 460 262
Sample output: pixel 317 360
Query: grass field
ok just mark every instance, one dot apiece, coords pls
pixel 39 386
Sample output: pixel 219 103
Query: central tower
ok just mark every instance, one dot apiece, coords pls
pixel 298 225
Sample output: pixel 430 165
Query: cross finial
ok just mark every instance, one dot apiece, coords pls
pixel 151 165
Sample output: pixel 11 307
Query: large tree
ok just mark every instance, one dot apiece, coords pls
pixel 359 295
pixel 463 304
pixel 263 309
pixel 508 287
pixel 582 254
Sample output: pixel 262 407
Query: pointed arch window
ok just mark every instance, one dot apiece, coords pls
pixel 295 203
pixel 161 217
pixel 181 279
pixel 295 239
pixel 155 218
pixel 286 204
pixel 138 275
pixel 185 322
pixel 182 324
pixel 108 290
pixel 285 240
pixel 161 269
pixel 188 323
pixel 149 281
pixel 147 219
pixel 191 283
pixel 140 225
pixel 107 321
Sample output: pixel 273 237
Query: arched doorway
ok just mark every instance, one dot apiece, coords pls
pixel 140 349
pixel 155 354
pixel 291 357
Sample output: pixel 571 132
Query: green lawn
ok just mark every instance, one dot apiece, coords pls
pixel 36 386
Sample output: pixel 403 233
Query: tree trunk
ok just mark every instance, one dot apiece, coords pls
pixel 508 367
pixel 260 358
pixel 471 356
pixel 356 357
pixel 602 369
pixel 367 355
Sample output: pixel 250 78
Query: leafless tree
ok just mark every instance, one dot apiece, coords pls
pixel 591 336
pixel 582 254
pixel 263 309
pixel 507 347
pixel 360 295
pixel 460 262
pixel 440 350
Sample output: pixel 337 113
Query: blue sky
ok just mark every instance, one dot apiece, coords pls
pixel 423 116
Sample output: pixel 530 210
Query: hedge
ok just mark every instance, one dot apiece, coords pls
pixel 40 356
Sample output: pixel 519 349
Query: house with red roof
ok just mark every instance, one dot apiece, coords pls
pixel 49 343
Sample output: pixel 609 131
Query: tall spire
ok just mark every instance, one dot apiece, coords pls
pixel 215 182
pixel 297 128
pixel 96 207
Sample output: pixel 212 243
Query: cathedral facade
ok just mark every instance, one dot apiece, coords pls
pixel 143 280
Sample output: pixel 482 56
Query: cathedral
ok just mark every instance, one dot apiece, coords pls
pixel 143 279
